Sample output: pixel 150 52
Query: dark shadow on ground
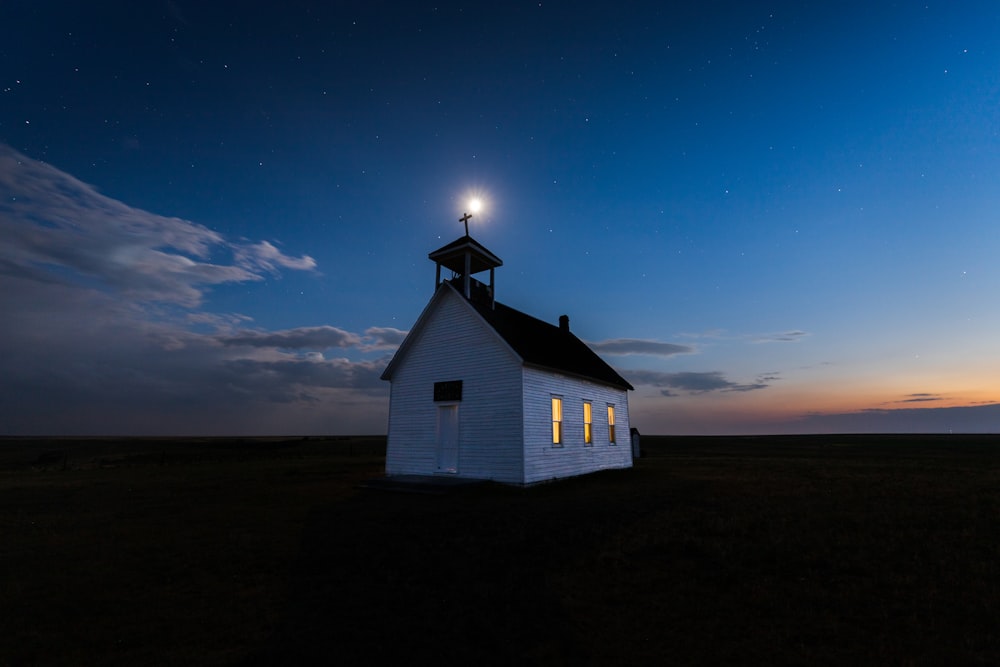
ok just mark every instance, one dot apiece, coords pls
pixel 388 576
pixel 821 551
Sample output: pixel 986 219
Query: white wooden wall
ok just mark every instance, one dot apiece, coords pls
pixel 455 344
pixel 542 460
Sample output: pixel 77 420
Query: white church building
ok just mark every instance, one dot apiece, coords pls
pixel 480 390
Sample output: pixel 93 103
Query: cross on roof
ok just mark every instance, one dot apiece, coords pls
pixel 465 219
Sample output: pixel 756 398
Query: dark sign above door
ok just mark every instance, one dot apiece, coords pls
pixel 448 391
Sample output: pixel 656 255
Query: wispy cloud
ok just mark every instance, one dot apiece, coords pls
pixel 784 337
pixel 383 338
pixel 105 333
pixel 289 379
pixel 317 338
pixel 971 419
pixel 711 334
pixel 917 398
pixel 56 228
pixel 623 346
pixel 694 382
pixel 313 338
pixel 721 335
pixel 264 256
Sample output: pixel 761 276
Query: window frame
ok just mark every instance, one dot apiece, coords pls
pixel 612 436
pixel 588 424
pixel 557 416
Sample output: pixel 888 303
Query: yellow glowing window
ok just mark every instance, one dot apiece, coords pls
pixel 557 417
pixel 611 424
pixel 588 424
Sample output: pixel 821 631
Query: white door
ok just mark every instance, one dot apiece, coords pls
pixel 447 438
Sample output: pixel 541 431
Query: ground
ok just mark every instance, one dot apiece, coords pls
pixel 784 550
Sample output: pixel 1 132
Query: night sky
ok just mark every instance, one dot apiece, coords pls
pixel 768 216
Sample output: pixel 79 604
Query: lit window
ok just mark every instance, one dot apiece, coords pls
pixel 557 418
pixel 588 424
pixel 611 424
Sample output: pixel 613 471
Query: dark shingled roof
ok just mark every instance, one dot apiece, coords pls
pixel 541 344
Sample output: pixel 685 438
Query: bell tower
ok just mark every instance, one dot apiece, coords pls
pixel 466 257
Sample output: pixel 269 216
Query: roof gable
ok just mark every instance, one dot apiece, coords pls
pixel 444 290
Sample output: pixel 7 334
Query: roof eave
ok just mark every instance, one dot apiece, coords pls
pixel 624 384
pixel 407 342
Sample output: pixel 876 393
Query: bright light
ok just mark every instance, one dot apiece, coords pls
pixel 475 205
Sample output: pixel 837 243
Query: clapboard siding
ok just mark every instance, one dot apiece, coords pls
pixel 542 460
pixel 454 343
pixel 504 415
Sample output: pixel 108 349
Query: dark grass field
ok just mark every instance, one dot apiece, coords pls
pixel 819 550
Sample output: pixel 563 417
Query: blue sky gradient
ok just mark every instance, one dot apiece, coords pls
pixel 768 216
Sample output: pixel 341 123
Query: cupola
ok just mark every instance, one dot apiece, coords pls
pixel 466 257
